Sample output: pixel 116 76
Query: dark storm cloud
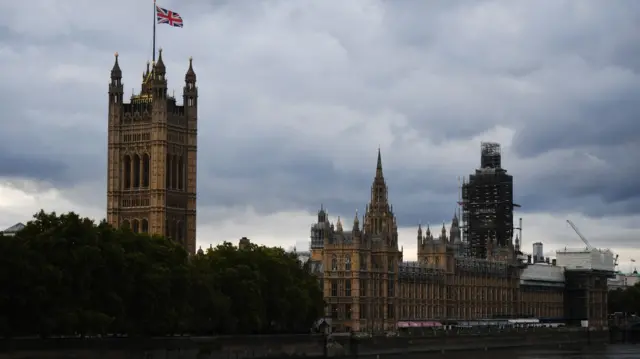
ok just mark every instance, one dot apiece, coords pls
pixel 296 98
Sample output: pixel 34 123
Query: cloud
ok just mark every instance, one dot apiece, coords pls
pixel 296 98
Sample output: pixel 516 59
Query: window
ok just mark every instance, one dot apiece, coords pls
pixel 390 287
pixel 390 311
pixel 347 262
pixel 347 311
pixel 334 287
pixel 347 288
pixel 334 262
pixel 363 288
pixel 334 311
pixel 363 261
pixel 363 311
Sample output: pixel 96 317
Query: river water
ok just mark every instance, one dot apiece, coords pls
pixel 610 352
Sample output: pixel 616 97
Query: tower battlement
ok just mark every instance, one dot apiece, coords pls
pixel 152 148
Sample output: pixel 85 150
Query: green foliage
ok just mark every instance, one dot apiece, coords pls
pixel 625 300
pixel 65 275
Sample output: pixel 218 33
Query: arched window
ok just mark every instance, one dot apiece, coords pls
pixel 126 173
pixel 135 226
pixel 180 235
pixel 363 261
pixel 180 173
pixel 145 225
pixel 334 262
pixel 136 171
pixel 174 172
pixel 167 172
pixel 146 170
pixel 347 262
pixel 125 224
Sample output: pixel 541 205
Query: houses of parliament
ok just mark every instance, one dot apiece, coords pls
pixel 152 147
pixel 369 287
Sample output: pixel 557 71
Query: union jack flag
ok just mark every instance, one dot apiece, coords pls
pixel 165 16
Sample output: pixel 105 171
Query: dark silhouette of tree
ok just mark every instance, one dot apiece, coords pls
pixel 66 275
pixel 625 300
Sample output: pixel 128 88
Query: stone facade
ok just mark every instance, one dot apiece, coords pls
pixel 151 185
pixel 368 286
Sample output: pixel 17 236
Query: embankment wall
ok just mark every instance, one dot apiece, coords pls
pixel 283 346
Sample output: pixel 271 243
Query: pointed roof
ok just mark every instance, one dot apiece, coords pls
pixel 160 68
pixel 190 75
pixel 116 73
pixel 379 165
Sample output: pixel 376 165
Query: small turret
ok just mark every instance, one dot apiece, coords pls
pixel 116 73
pixel 428 235
pixel 356 223
pixel 322 214
pixel 454 231
pixel 159 68
pixel 443 232
pixel 190 76
pixel 339 225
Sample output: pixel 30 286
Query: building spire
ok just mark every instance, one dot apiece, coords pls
pixel 190 76
pixel 159 66
pixel 116 73
pixel 379 165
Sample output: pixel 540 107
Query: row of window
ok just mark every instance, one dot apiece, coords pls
pixel 174 229
pixel 135 202
pixel 343 288
pixel 345 263
pixel 135 137
pixel 136 171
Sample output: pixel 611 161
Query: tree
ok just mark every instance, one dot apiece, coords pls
pixel 625 300
pixel 66 275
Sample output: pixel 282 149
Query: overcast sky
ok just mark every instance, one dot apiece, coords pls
pixel 296 97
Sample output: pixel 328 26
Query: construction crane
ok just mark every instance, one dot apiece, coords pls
pixel 580 234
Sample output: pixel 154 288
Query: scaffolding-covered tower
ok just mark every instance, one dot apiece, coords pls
pixel 487 204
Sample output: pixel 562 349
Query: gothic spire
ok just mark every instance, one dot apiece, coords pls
pixel 379 165
pixel 116 73
pixel 190 75
pixel 159 67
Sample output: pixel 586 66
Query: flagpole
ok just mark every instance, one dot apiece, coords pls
pixel 154 31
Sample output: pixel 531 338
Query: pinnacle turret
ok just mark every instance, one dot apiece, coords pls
pixel 116 73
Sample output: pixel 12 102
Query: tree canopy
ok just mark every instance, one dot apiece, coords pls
pixel 625 300
pixel 66 275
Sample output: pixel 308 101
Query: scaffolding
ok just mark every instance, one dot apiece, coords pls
pixel 491 155
pixel 487 204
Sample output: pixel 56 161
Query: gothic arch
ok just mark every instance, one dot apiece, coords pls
pixel 180 232
pixel 146 170
pixel 126 171
pixel 167 172
pixel 181 184
pixel 125 224
pixel 174 172
pixel 334 262
pixel 167 228
pixel 135 226
pixel 347 262
pixel 136 170
pixel 145 225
